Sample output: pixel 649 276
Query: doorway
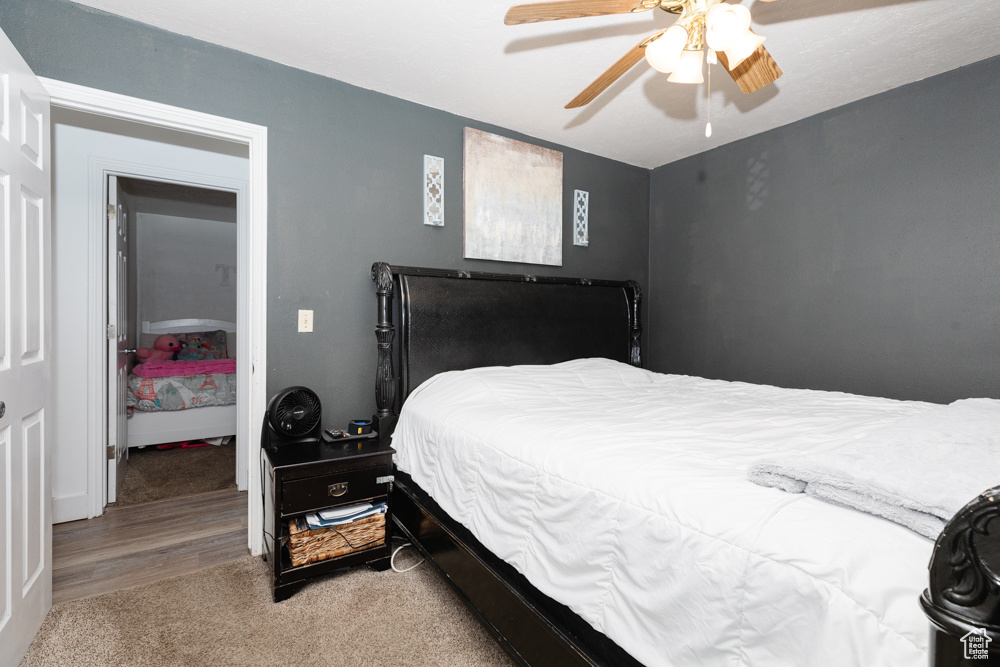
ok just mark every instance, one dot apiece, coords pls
pixel 173 424
pixel 188 128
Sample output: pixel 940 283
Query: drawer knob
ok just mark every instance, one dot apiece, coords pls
pixel 338 489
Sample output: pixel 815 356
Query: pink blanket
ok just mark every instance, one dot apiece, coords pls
pixel 164 369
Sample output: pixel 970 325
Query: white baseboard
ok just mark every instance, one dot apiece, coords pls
pixel 70 508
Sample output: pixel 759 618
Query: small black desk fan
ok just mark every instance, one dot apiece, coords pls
pixel 292 417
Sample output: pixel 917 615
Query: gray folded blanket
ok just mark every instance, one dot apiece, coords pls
pixel 917 472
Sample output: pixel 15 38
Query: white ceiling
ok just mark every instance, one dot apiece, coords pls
pixel 457 55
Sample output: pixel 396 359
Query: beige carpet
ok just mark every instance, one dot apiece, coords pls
pixel 156 474
pixel 224 616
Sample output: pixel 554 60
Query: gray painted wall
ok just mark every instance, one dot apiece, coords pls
pixel 345 167
pixel 177 259
pixel 857 250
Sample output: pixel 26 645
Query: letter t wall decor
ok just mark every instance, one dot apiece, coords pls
pixel 513 200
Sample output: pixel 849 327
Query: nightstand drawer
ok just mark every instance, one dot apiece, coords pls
pixel 322 491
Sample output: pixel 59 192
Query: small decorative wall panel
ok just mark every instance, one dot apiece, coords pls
pixel 227 271
pixel 581 213
pixel 513 200
pixel 433 191
pixel 757 181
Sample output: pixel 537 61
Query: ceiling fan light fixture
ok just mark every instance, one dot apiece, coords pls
pixel 664 53
pixel 679 49
pixel 689 68
pixel 725 25
pixel 743 49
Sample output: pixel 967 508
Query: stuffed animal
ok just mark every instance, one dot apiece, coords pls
pixel 165 348
pixel 191 349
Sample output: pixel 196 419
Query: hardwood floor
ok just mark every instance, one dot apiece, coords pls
pixel 139 544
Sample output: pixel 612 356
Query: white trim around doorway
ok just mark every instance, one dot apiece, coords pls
pixel 100 170
pixel 251 279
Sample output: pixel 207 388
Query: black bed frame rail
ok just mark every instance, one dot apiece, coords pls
pixel 532 628
pixel 962 600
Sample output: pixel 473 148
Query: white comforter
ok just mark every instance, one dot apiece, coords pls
pixel 622 493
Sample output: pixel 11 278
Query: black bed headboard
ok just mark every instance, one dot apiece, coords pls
pixel 453 320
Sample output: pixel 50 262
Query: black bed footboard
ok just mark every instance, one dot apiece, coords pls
pixel 963 598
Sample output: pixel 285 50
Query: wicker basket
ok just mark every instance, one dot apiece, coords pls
pixel 307 545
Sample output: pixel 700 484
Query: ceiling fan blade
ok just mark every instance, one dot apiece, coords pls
pixel 572 9
pixel 755 72
pixel 612 74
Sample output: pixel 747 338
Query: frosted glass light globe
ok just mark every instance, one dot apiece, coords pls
pixel 664 53
pixel 689 68
pixel 725 24
pixel 743 48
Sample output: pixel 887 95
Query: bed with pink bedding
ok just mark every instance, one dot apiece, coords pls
pixel 190 398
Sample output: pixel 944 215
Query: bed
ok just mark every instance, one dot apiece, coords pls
pixel 202 405
pixel 669 555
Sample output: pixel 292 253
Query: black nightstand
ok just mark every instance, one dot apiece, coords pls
pixel 304 478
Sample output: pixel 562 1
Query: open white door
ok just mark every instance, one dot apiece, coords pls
pixel 25 348
pixel 117 337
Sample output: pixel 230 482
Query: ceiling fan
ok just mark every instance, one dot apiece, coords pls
pixel 680 49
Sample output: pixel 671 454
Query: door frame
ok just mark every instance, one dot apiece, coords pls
pixel 251 318
pixel 100 170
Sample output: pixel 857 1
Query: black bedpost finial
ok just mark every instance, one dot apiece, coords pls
pixel 385 378
pixel 964 593
pixel 382 275
pixel 635 352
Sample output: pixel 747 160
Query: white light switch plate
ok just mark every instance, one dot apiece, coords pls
pixel 305 321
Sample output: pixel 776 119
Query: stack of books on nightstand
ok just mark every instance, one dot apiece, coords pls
pixel 338 516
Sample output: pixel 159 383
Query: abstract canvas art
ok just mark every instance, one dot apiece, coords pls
pixel 513 200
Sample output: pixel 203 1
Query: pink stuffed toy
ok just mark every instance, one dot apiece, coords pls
pixel 165 348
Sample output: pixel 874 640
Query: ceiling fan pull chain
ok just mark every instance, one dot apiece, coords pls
pixel 711 60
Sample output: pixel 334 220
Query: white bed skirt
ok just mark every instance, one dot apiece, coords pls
pixel 155 428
